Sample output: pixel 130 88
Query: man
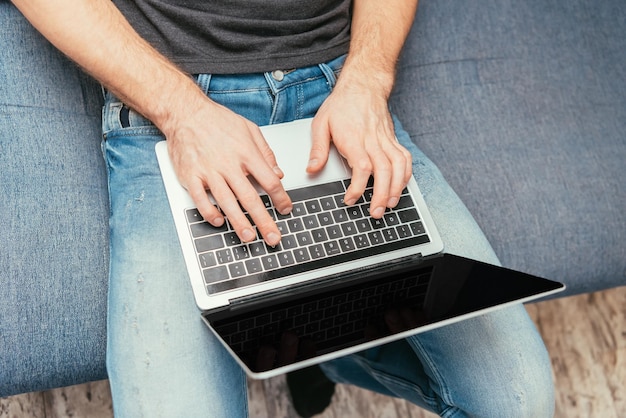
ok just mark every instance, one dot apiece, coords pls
pixel 204 75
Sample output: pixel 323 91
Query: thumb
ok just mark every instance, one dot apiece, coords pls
pixel 320 146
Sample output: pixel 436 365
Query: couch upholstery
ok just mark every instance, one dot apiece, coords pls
pixel 521 104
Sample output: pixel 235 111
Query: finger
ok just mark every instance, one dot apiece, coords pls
pixel 230 206
pixel 268 175
pixel 382 178
pixel 252 203
pixel 320 145
pixel 265 150
pixel 401 170
pixel 361 166
pixel 209 212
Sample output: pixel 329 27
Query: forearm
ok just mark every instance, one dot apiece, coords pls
pixel 98 38
pixel 378 33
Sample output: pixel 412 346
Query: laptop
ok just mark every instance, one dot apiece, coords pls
pixel 338 276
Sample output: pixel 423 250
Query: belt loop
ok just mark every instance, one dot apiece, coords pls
pixel 204 81
pixel 329 74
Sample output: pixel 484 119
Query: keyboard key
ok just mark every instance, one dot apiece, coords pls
pixel 390 234
pixel 310 222
pixel 215 274
pixel 334 232
pixel 316 191
pixel 361 241
pixel 270 262
pixel 405 202
pixel 325 219
pixel 313 206
pixel 295 225
pixel 288 242
pixel 224 256
pixel 257 249
pixel 301 255
pixel 376 238
pixel 319 235
pixel 237 269
pixel 391 219
pixel 266 201
pixel 354 212
pixel 231 239
pixel 408 215
pixel 282 227
pixel 404 231
pixel 286 258
pixel 327 203
pixel 240 252
pixel 254 266
pixel 209 243
pixel 418 228
pixel 304 239
pixel 377 223
pixel 363 225
pixel 203 229
pixel 317 251
pixel 193 215
pixel 207 260
pixel 340 215
pixel 298 209
pixel 347 244
pixel 349 228
pixel 331 248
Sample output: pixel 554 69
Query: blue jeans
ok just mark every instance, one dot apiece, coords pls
pixel 162 361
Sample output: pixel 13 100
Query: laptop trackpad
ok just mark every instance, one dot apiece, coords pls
pixel 292 147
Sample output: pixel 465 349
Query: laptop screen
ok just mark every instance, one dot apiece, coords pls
pixel 374 304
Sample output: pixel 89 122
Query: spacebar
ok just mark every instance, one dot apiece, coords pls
pixel 315 191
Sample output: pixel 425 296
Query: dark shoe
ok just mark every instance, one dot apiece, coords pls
pixel 311 391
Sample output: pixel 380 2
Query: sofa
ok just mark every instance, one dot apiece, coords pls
pixel 522 105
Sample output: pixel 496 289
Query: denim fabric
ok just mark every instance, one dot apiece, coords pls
pixel 53 211
pixel 163 361
pixel 522 105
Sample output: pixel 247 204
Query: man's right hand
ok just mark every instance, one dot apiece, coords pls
pixel 213 149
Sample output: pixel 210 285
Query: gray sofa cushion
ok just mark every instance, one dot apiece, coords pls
pixel 53 216
pixel 522 105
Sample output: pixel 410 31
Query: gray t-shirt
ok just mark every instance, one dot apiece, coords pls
pixel 236 36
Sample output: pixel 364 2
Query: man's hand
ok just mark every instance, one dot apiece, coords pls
pixel 220 151
pixel 358 122
pixel 356 116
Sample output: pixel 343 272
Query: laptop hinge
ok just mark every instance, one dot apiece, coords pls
pixel 322 284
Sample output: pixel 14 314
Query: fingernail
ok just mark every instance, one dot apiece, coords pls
pixel 285 211
pixel 378 212
pixel 248 235
pixel 349 202
pixel 393 201
pixel 272 239
pixel 312 163
pixel 278 171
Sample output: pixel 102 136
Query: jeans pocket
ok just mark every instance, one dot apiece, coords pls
pixel 117 118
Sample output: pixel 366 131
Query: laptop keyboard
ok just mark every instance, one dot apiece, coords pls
pixel 320 231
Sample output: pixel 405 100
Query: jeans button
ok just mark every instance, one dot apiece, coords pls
pixel 278 75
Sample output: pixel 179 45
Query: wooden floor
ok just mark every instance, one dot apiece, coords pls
pixel 586 337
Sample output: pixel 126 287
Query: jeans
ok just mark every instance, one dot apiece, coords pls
pixel 162 361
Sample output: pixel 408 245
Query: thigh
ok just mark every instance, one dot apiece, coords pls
pixel 483 366
pixel 162 360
